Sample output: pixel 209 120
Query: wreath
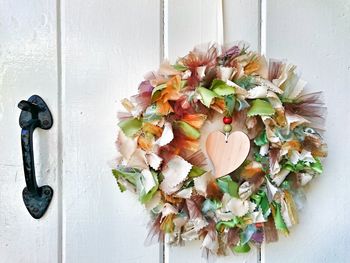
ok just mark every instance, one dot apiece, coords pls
pixel 247 185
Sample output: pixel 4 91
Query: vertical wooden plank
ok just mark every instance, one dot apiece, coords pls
pixel 315 35
pixel 107 48
pixel 191 23
pixel 28 65
pixel 241 22
pixel 196 22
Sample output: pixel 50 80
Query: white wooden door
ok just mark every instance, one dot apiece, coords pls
pixel 28 65
pixel 82 57
pixel 316 36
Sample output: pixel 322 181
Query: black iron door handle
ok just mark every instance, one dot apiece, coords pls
pixel 35 113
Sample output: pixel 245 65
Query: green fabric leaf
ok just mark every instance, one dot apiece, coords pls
pixel 241 248
pixel 211 205
pixel 260 107
pixel 299 133
pixel 289 85
pixel 196 171
pixel 206 95
pixel 188 183
pixel 317 166
pixel 180 67
pixel 183 83
pixel 122 188
pixel 130 127
pixel 283 134
pixel 129 174
pixel 245 82
pixel 229 104
pixel 302 165
pixel 188 130
pixel 264 160
pixel 160 177
pixel 279 222
pixel 264 204
pixel 147 196
pixel 228 224
pixel 299 166
pixel 151 114
pixel 156 91
pixel 227 185
pixel 261 139
pixel 261 200
pixel 221 88
pixel 286 184
pixel 289 166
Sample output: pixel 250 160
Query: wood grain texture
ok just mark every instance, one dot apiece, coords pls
pixel 315 36
pixel 108 46
pixel 28 66
pixel 227 156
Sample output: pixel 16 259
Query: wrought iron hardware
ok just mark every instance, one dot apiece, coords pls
pixel 35 113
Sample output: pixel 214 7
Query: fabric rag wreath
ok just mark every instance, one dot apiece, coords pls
pixel 268 150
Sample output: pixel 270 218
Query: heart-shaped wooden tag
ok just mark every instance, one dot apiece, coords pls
pixel 227 156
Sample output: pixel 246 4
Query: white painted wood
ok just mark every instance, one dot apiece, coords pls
pixel 104 48
pixel 27 66
pixel 241 22
pixel 192 23
pixel 107 48
pixel 315 35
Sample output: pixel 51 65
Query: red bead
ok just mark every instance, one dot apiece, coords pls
pixel 227 120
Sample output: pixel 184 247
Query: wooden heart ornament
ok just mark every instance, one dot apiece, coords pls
pixel 227 156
